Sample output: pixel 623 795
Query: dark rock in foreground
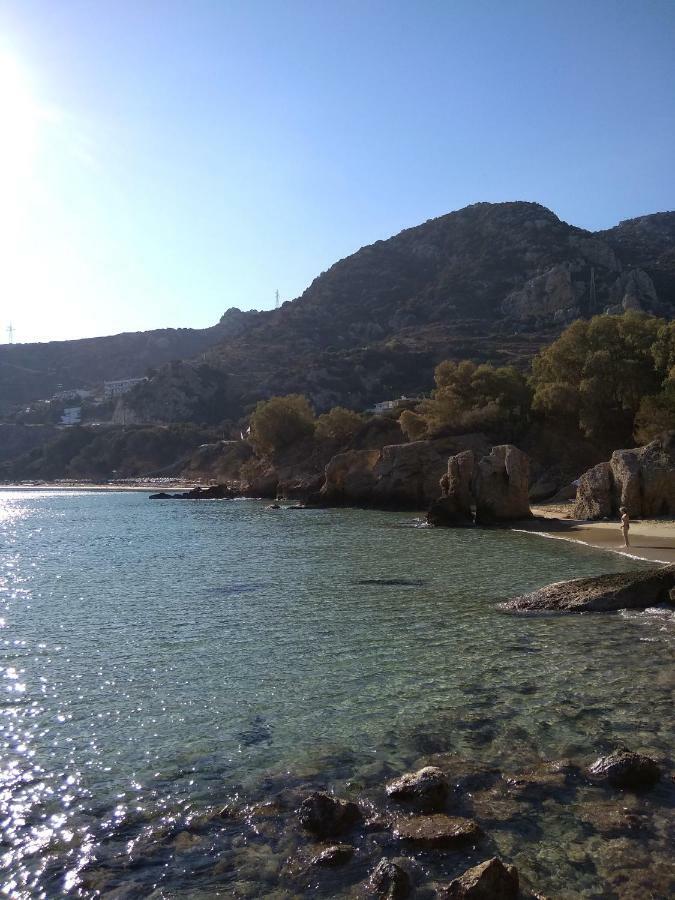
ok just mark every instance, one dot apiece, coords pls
pixel 623 769
pixel 326 816
pixel 438 830
pixel 427 789
pixel 491 880
pixel 388 881
pixel 604 593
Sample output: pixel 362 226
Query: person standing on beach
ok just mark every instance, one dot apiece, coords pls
pixel 625 525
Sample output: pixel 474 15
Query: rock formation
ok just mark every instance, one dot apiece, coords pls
pixel 426 789
pixel 642 480
pixel 491 880
pixel 604 593
pixel 326 816
pixel 623 769
pixel 497 484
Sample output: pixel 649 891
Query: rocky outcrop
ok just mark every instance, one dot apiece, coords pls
pixel 491 880
pixel 336 855
pixel 399 475
pixel 213 492
pixel 426 789
pixel 641 479
pixel 498 486
pixel 501 486
pixel 605 593
pixel 326 816
pixel 623 769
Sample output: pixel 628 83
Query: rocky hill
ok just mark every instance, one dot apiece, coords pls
pixel 488 282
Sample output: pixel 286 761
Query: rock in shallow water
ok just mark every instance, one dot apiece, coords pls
pixel 437 830
pixel 491 880
pixel 337 855
pixel 425 789
pixel 604 593
pixel 326 816
pixel 623 769
pixel 388 881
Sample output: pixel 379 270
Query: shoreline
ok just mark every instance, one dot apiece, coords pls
pixel 652 540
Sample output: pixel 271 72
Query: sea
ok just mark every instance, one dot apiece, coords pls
pixel 176 676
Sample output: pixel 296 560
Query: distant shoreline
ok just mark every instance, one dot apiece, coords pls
pixel 143 485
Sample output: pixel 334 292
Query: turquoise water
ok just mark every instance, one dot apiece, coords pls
pixel 159 660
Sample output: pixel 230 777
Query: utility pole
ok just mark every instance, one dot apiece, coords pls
pixel 276 299
pixel 10 333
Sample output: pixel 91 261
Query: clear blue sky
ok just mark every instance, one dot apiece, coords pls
pixel 167 159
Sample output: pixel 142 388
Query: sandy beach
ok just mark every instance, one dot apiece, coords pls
pixel 650 539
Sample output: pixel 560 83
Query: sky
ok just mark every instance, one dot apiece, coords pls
pixel 163 160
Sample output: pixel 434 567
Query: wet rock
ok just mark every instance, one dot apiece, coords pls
pixel 388 881
pixel 604 593
pixel 594 493
pixel 186 841
pixel 213 492
pixel 611 820
pixel 337 855
pixel 501 486
pixel 438 830
pixel 426 789
pixel 623 769
pixel 491 880
pixel 325 816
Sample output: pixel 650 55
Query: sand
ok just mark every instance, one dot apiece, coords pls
pixel 650 539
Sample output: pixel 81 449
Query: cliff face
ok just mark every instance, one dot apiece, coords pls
pixel 488 282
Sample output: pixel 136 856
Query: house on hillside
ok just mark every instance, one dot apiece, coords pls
pixel 121 386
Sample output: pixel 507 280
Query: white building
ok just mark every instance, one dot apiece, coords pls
pixel 117 388
pixel 389 405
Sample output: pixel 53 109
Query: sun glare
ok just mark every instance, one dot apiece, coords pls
pixel 19 120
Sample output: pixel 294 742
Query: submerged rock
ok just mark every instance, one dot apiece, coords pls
pixel 604 593
pixel 213 492
pixel 337 855
pixel 388 881
pixel 326 816
pixel 438 830
pixel 491 880
pixel 623 769
pixel 425 789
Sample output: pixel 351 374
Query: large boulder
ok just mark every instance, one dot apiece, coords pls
pixel 350 477
pixel 594 493
pixel 427 789
pixel 641 479
pixel 326 816
pixel 491 880
pixel 455 507
pixel 623 769
pixel 604 593
pixel 501 486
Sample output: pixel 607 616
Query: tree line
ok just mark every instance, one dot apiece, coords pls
pixel 610 378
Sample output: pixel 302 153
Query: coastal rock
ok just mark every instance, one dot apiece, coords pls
pixel 455 508
pixel 388 881
pixel 623 769
pixel 337 855
pixel 604 593
pixel 350 477
pixel 641 479
pixel 326 816
pixel 425 789
pixel 491 880
pixel 438 830
pixel 594 493
pixel 501 486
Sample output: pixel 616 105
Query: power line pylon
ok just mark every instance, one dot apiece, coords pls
pixel 10 333
pixel 276 299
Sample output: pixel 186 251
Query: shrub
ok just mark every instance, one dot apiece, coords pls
pixel 279 422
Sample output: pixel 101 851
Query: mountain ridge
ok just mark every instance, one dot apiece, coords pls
pixel 490 281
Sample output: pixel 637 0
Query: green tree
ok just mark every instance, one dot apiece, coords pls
pixel 413 425
pixel 596 373
pixel 656 413
pixel 279 422
pixel 339 424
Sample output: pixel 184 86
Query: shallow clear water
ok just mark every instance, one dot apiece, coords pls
pixel 159 659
